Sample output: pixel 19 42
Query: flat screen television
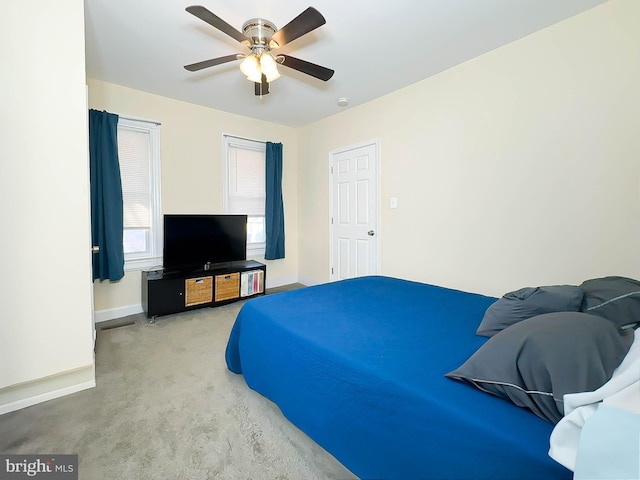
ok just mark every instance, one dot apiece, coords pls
pixel 198 242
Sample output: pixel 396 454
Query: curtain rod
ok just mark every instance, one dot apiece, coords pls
pixel 138 119
pixel 242 138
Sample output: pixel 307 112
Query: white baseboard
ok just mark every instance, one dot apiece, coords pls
pixel 26 394
pixel 309 282
pixel 113 313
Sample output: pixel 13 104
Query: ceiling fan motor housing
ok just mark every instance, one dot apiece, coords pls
pixel 259 31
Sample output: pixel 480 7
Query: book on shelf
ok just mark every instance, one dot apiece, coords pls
pixel 251 283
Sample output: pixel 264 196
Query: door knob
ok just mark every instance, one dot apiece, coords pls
pixel 371 233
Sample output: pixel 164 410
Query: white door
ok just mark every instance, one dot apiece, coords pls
pixel 354 220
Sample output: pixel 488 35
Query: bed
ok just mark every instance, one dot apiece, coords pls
pixel 360 366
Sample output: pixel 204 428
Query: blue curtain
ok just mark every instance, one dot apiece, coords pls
pixel 106 196
pixel 274 209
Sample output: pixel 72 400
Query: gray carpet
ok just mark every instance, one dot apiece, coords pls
pixel 166 407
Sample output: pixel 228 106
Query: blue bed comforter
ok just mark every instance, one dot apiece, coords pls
pixel 359 366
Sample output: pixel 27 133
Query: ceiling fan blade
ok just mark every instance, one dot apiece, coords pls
pixel 307 21
pixel 262 88
pixel 215 21
pixel 309 68
pixel 194 67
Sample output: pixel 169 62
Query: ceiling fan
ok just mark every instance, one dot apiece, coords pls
pixel 261 36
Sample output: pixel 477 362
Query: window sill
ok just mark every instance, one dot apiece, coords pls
pixel 255 252
pixel 142 264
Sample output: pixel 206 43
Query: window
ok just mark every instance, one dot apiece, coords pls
pixel 244 187
pixel 139 155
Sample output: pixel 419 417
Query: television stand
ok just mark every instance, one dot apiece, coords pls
pixel 174 292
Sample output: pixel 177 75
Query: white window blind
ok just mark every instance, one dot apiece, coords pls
pixel 139 157
pixel 133 151
pixel 246 181
pixel 244 187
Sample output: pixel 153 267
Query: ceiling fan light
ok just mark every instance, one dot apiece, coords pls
pixel 255 76
pixel 272 75
pixel 269 67
pixel 267 62
pixel 250 66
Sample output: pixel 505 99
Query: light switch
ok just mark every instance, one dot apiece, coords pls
pixel 393 203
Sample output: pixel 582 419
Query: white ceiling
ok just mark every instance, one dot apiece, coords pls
pixel 375 47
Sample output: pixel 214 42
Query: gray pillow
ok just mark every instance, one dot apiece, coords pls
pixel 536 362
pixel 614 298
pixel 528 302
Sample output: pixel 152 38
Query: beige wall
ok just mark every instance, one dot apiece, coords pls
pixel 46 328
pixel 520 167
pixel 191 152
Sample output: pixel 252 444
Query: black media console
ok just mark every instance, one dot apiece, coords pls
pixel 166 293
